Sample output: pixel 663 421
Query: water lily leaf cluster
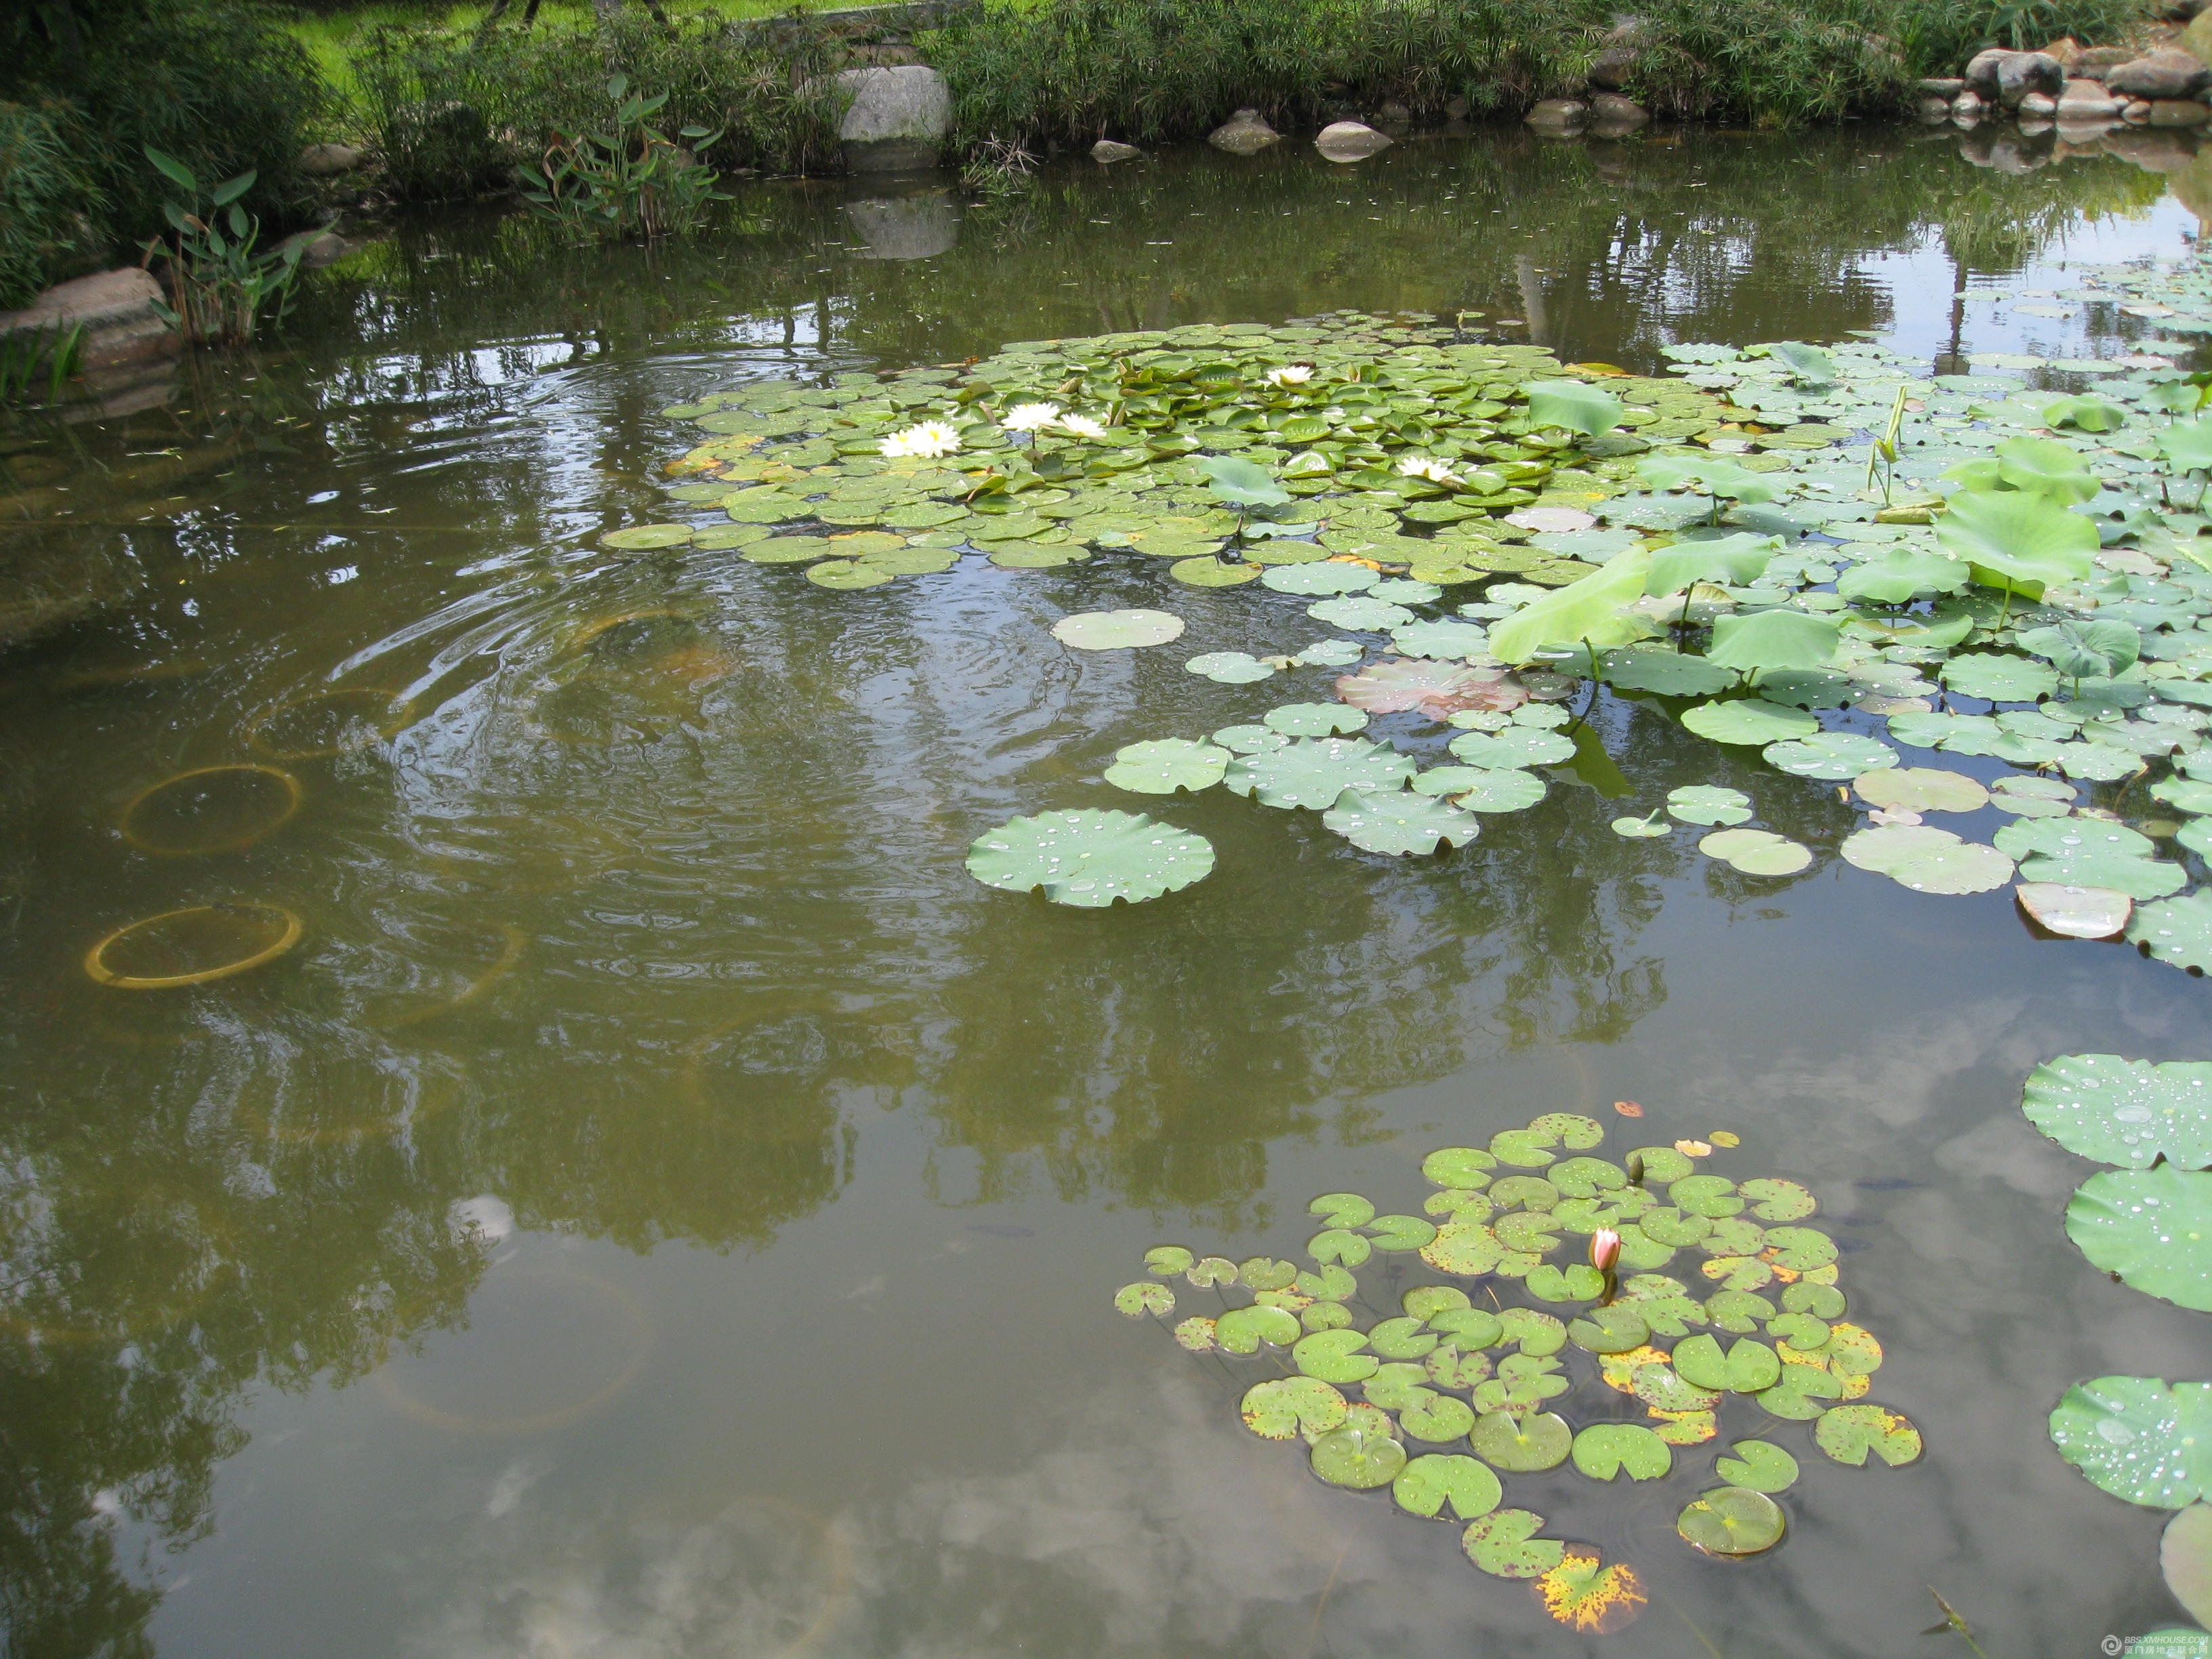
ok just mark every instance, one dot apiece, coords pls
pixel 1442 1349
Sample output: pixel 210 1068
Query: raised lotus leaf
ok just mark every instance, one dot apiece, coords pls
pixel 2127 1112
pixel 1733 1521
pixel 1605 1449
pixel 1503 1544
pixel 1090 858
pixel 2153 1228
pixel 1430 1482
pixel 2139 1437
pixel 1999 678
pixel 1849 1433
pixel 1765 640
pixel 1758 1466
pixel 1167 764
pixel 1287 1408
pixel 1315 772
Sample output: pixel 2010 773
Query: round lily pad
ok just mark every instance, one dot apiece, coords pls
pixel 1088 858
pixel 1777 1201
pixel 1830 755
pixel 1458 1166
pixel 786 550
pixel 1749 720
pixel 1999 678
pixel 1503 1544
pixel 1640 829
pixel 1619 1328
pixel 644 536
pixel 1521 1445
pixel 1700 803
pixel 1849 1433
pixel 1430 1482
pixel 2152 1227
pixel 1423 1301
pixel 1334 1355
pixel 1167 1260
pixel 1757 851
pixel 1286 1407
pixel 1748 1367
pixel 1436 1419
pixel 1605 1449
pixel 1210 1271
pixel 1343 1209
pixel 1920 789
pixel 1315 772
pixel 1357 1459
pixel 1402 1338
pixel 1659 1164
pixel 1399 1233
pixel 1399 823
pixel 1328 577
pixel 1732 1521
pixel 2127 1112
pixel 1313 720
pixel 1117 630
pixel 1196 1335
pixel 1210 572
pixel 846 575
pixel 2076 912
pixel 1229 667
pixel 1514 748
pixel 2179 931
pixel 1670 673
pixel 1167 764
pixel 1468 1248
pixel 1758 1466
pixel 1249 739
pixel 2139 1437
pixel 1242 1330
pixel 1482 789
pixel 1144 1297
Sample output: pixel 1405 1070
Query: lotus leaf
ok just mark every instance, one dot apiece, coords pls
pixel 1458 1166
pixel 1730 559
pixel 1427 1483
pixel 2043 466
pixel 1465 1247
pixel 1576 1282
pixel 1168 1260
pixel 1606 1450
pixel 1437 689
pixel 1090 858
pixel 1399 823
pixel 1619 1328
pixel 846 575
pixel 2139 1437
pixel 1758 1466
pixel 1700 803
pixel 1539 1334
pixel 1574 405
pixel 645 537
pixel 1709 474
pixel 1249 739
pixel 2120 872
pixel 2127 1112
pixel 1342 1209
pixel 1504 1545
pixel 2083 650
pixel 2023 537
pixel 1467 1327
pixel 1482 789
pixel 1902 574
pixel 1288 1407
pixel 1777 1201
pixel 1329 577
pixel 1117 630
pixel 1756 852
pixel 1514 748
pixel 1262 1273
pixel 1358 612
pixel 1340 1244
pixel 1748 1367
pixel 1750 720
pixel 1733 1521
pixel 1167 764
pixel 1830 754
pixel 1196 1335
pixel 1768 640
pixel 1521 1445
pixel 1640 829
pixel 1660 1387
pixel 1441 639
pixel 1229 667
pixel 1587 612
pixel 2153 1228
pixel 1210 1271
pixel 1920 788
pixel 1313 773
pixel 1399 1233
pixel 1357 1458
pixel 1402 1338
pixel 1242 1330
pixel 1887 848
pixel 1999 678
pixel 1208 571
pixel 2184 1558
pixel 1655 668
pixel 1847 1433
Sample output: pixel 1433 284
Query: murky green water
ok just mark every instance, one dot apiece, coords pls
pixel 662 1206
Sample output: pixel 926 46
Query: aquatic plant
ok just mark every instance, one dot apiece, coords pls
pixel 222 282
pixel 1409 1381
pixel 631 181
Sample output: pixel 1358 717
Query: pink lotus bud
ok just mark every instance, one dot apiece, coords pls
pixel 1605 1249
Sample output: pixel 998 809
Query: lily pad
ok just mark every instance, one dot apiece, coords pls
pixel 1830 754
pixel 1242 1330
pixel 1399 823
pixel 1920 789
pixel 2185 1559
pixel 1758 1466
pixel 1515 747
pixel 1287 1408
pixel 1196 1335
pixel 1357 1459
pixel 1521 1445
pixel 1585 1594
pixel 1313 720
pixel 1849 1433
pixel 1210 572
pixel 1748 1366
pixel 1167 764
pixel 1168 1260
pixel 1482 789
pixel 1503 1544
pixel 1143 1298
pixel 1229 667
pixel 1088 858
pixel 2151 1227
pixel 2127 1112
pixel 1329 577
pixel 1436 1419
pixel 1335 1357
pixel 643 536
pixel 1670 673
pixel 1698 803
pixel 1343 1209
pixel 1117 630
pixel 1640 829
pixel 1749 720
pixel 1357 612
pixel 1443 639
pixel 1313 773
pixel 2139 1438
pixel 1999 678
pixel 1605 1449
pixel 1756 852
pixel 2179 931
pixel 1430 1482
pixel 1733 1521
pixel 1437 689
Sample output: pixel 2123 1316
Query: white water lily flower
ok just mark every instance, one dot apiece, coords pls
pixel 1081 426
pixel 927 439
pixel 1295 374
pixel 1420 466
pixel 1031 417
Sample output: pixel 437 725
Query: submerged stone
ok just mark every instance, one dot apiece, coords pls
pixel 1243 134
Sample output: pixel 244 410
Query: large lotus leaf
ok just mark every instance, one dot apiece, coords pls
pixel 1443 639
pixel 2185 1560
pixel 2127 1112
pixel 1325 578
pixel 1736 560
pixel 1503 1544
pixel 1772 639
pixel 1398 822
pixel 1437 688
pixel 2024 536
pixel 1287 1408
pixel 1586 613
pixel 1117 630
pixel 2118 873
pixel 1656 668
pixel 1758 1466
pixel 2139 1437
pixel 1427 1484
pixel 1521 1445
pixel 2152 1227
pixel 1605 1449
pixel 2179 931
pixel 2086 649
pixel 1806 362
pixel 1733 1521
pixel 2075 912
pixel 1357 1458
pixel 1921 789
pixel 1482 789
pixel 1314 772
pixel 1999 678
pixel 2072 837
pixel 1167 764
pixel 1750 720
pixel 2188 444
pixel 1903 574
pixel 1709 475
pixel 1830 754
pixel 1575 404
pixel 1090 858
pixel 2047 467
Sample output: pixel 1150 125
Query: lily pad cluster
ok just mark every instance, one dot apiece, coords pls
pixel 2148 1223
pixel 1548 1307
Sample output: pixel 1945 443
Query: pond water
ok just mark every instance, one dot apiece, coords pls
pixel 661 1204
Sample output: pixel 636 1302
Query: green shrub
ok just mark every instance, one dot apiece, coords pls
pixel 51 206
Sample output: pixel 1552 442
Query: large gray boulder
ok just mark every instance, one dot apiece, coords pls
pixel 2169 72
pixel 2085 101
pixel 2006 77
pixel 114 308
pixel 1612 116
pixel 1559 117
pixel 1350 141
pixel 2098 62
pixel 895 118
pixel 1243 134
pixel 327 161
pixel 1109 150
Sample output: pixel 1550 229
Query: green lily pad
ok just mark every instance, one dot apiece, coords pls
pixel 1521 1445
pixel 2179 931
pixel 1515 747
pixel 1403 1338
pixel 1262 1273
pixel 1605 1449
pixel 1538 1333
pixel 846 575
pixel 643 536
pixel 1777 1201
pixel 1332 577
pixel 2185 1559
pixel 1168 1260
pixel 1659 1164
pixel 1669 1225
pixel 1748 1367
pixel 1469 1328
pixel 1331 1284
pixel 1315 772
pixel 1143 1298
pixel 1849 1433
pixel 1210 572
pixel 1670 673
pixel 1732 1521
pixel 1641 828
pixel 1242 1330
pixel 1167 764
pixel 763 507
pixel 1340 1244
pixel 1576 1282
pixel 1504 1545
pixel 1800 1249
pixel 786 550
pixel 1090 859
pixel 1423 1301
pixel 1801 1332
pixel 1458 1166
pixel 1436 1419
pixel 2118 872
pixel 2139 1437
pixel 1288 1407
pixel 1758 1466
pixel 1334 1355
pixel 1429 1482
pixel 1229 667
pixel 1343 1209
pixel 1830 754
pixel 1468 1248
pixel 1999 678
pixel 1660 1387
pixel 1482 789
pixel 1196 1335
pixel 1821 1301
pixel 1749 720
pixel 1757 851
pixel 1357 612
pixel 2151 1227
pixel 1799 1397
pixel 1117 630
pixel 2127 1112
pixel 1619 1328
pixel 1399 823
pixel 1712 1196
pixel 1397 1234
pixel 1398 1385
pixel 1210 1271
pixel 1920 789
pixel 1357 1458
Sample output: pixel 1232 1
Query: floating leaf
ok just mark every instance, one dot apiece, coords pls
pixel 1334 1355
pixel 1144 1297
pixel 1848 1433
pixel 1640 829
pixel 1574 405
pixel 1441 639
pixel 1830 754
pixel 2127 1112
pixel 1229 667
pixel 1777 1201
pixel 1242 1330
pixel 641 538
pixel 1328 577
pixel 1655 668
pixel 1748 1366
pixel 1503 1544
pixel 1090 858
pixel 1167 764
pixel 2083 650
pixel 1999 678
pixel 1210 572
pixel 1286 1407
pixel 1585 1594
pixel 1758 1466
pixel 1168 1260
pixel 1902 574
pixel 1313 720
pixel 1458 1166
pixel 1698 803
pixel 1920 788
pixel 1429 1482
pixel 1399 1233
pixel 1733 1521
pixel 1749 720
pixel 2185 1559
pixel 1756 852
pixel 1437 689
pixel 2153 1228
pixel 1196 1335
pixel 1521 1445
pixel 1313 773
pixel 1482 789
pixel 1117 630
pixel 1436 1419
pixel 1340 1244
pixel 2139 1437
pixel 1605 1449
pixel 1357 1458
pixel 1399 823
pixel 1210 1271
pixel 1515 747
pixel 1660 1387
pixel 1358 612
